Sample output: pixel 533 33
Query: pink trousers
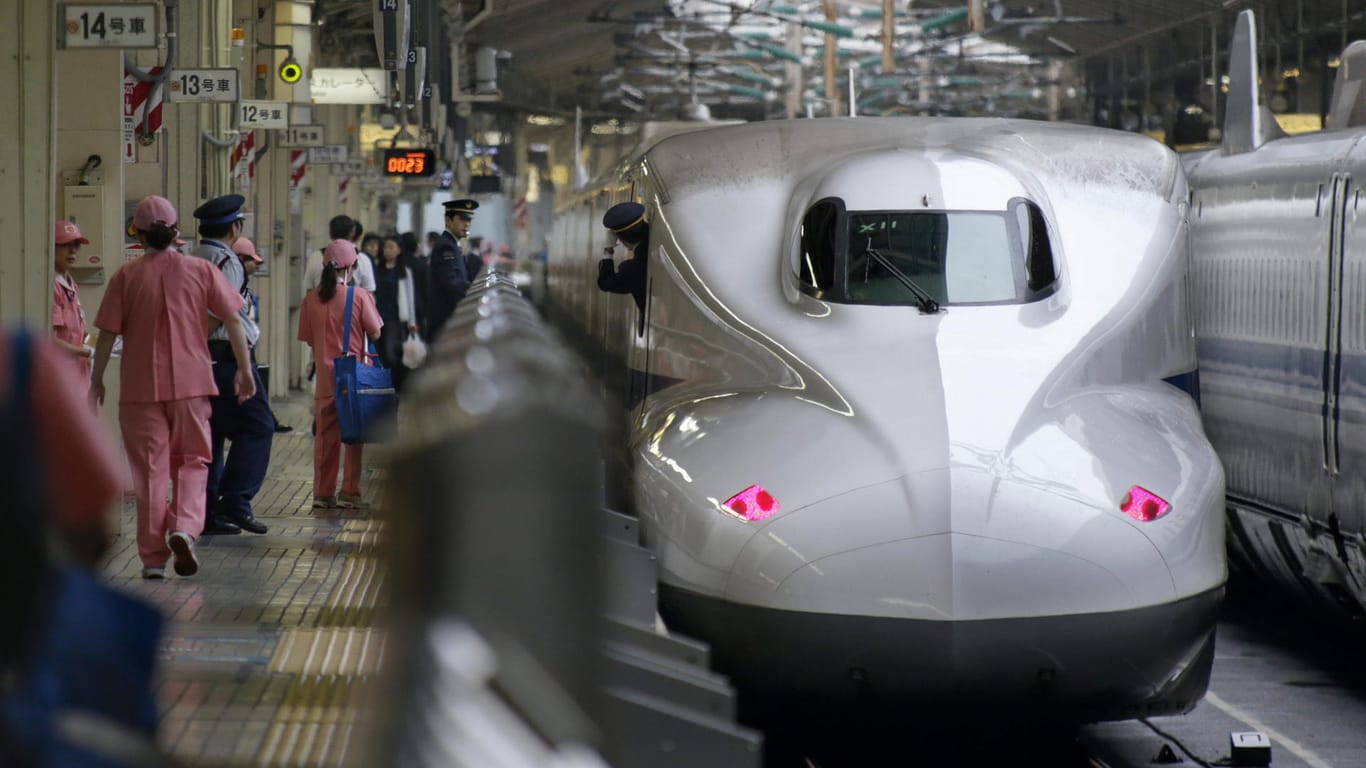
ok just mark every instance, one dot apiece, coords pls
pixel 327 449
pixel 167 443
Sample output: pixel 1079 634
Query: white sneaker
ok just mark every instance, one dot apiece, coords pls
pixel 153 572
pixel 182 547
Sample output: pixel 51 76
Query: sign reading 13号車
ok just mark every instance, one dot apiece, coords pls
pixel 219 84
pixel 263 114
pixel 108 25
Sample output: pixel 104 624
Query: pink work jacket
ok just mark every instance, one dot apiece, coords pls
pixel 68 317
pixel 160 303
pixel 320 326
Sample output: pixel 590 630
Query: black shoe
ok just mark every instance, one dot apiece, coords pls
pixel 250 524
pixel 281 428
pixel 218 525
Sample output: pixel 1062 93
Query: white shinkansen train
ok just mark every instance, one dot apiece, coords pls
pixel 1279 259
pixel 911 412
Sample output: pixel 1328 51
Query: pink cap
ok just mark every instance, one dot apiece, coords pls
pixel 67 232
pixel 154 209
pixel 245 247
pixel 340 253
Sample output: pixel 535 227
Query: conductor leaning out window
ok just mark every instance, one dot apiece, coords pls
pixel 627 222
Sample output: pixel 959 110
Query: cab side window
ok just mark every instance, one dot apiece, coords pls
pixel 819 236
pixel 1040 270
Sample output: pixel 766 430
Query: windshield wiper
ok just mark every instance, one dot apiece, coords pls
pixel 923 299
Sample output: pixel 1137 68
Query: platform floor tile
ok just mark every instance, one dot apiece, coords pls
pixel 270 649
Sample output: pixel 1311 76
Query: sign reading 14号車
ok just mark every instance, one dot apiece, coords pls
pixel 263 114
pixel 218 84
pixel 108 25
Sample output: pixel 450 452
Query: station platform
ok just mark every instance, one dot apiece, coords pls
pixel 268 649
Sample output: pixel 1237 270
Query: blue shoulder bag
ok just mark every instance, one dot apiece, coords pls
pixel 364 394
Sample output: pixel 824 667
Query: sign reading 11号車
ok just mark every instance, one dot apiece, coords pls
pixel 219 84
pixel 108 25
pixel 263 114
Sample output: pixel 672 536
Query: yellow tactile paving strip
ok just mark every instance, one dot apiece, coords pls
pixel 314 724
pixel 332 668
pixel 330 651
pixel 353 600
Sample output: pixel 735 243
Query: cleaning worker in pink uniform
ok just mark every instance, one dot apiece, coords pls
pixel 163 304
pixel 322 319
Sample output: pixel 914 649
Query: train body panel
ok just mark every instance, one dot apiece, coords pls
pixel 955 467
pixel 1279 257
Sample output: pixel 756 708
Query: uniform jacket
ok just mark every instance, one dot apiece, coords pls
pixel 627 278
pixel 448 280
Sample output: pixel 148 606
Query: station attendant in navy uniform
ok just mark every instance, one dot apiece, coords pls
pixel 449 268
pixel 234 479
pixel 627 222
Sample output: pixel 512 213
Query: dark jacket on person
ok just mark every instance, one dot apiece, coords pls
pixel 629 277
pixel 448 280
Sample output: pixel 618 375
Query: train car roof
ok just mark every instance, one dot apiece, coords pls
pixel 699 162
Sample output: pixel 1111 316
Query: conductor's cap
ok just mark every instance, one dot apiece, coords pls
pixel 623 216
pixel 224 209
pixel 465 208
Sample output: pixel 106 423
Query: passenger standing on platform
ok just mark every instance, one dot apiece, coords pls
pixel 370 247
pixel 365 266
pixel 449 276
pixel 321 325
pixel 627 222
pixel 394 297
pixel 418 264
pixel 161 303
pixel 235 475
pixel 68 316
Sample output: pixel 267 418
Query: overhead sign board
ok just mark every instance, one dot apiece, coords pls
pixel 329 154
pixel 348 85
pixel 297 136
pixel 220 84
pixel 263 114
pixel 108 25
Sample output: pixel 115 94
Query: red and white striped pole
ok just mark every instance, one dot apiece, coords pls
pixel 298 165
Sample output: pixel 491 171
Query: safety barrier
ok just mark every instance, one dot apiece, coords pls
pixel 523 622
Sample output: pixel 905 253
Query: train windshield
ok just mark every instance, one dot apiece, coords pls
pixel 907 257
pixel 958 258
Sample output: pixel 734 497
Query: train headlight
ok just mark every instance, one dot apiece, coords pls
pixel 752 504
pixel 1143 505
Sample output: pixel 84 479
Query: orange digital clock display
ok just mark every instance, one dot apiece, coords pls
pixel 409 162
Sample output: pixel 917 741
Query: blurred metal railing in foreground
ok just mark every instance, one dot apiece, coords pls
pixel 522 611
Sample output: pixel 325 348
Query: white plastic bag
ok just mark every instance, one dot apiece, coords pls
pixel 414 352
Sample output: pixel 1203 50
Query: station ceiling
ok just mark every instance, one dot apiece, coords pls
pixel 647 58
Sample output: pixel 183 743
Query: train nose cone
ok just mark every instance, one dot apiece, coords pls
pixel 908 551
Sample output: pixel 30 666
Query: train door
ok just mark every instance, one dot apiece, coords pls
pixel 1347 414
pixel 1261 283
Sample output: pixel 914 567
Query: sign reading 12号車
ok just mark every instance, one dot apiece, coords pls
pixel 263 114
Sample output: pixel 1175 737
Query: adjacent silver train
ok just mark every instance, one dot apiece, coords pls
pixel 912 410
pixel 1279 259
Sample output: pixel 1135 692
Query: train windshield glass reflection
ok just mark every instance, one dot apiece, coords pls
pixel 958 258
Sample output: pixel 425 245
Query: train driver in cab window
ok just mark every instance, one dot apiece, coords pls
pixel 627 222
